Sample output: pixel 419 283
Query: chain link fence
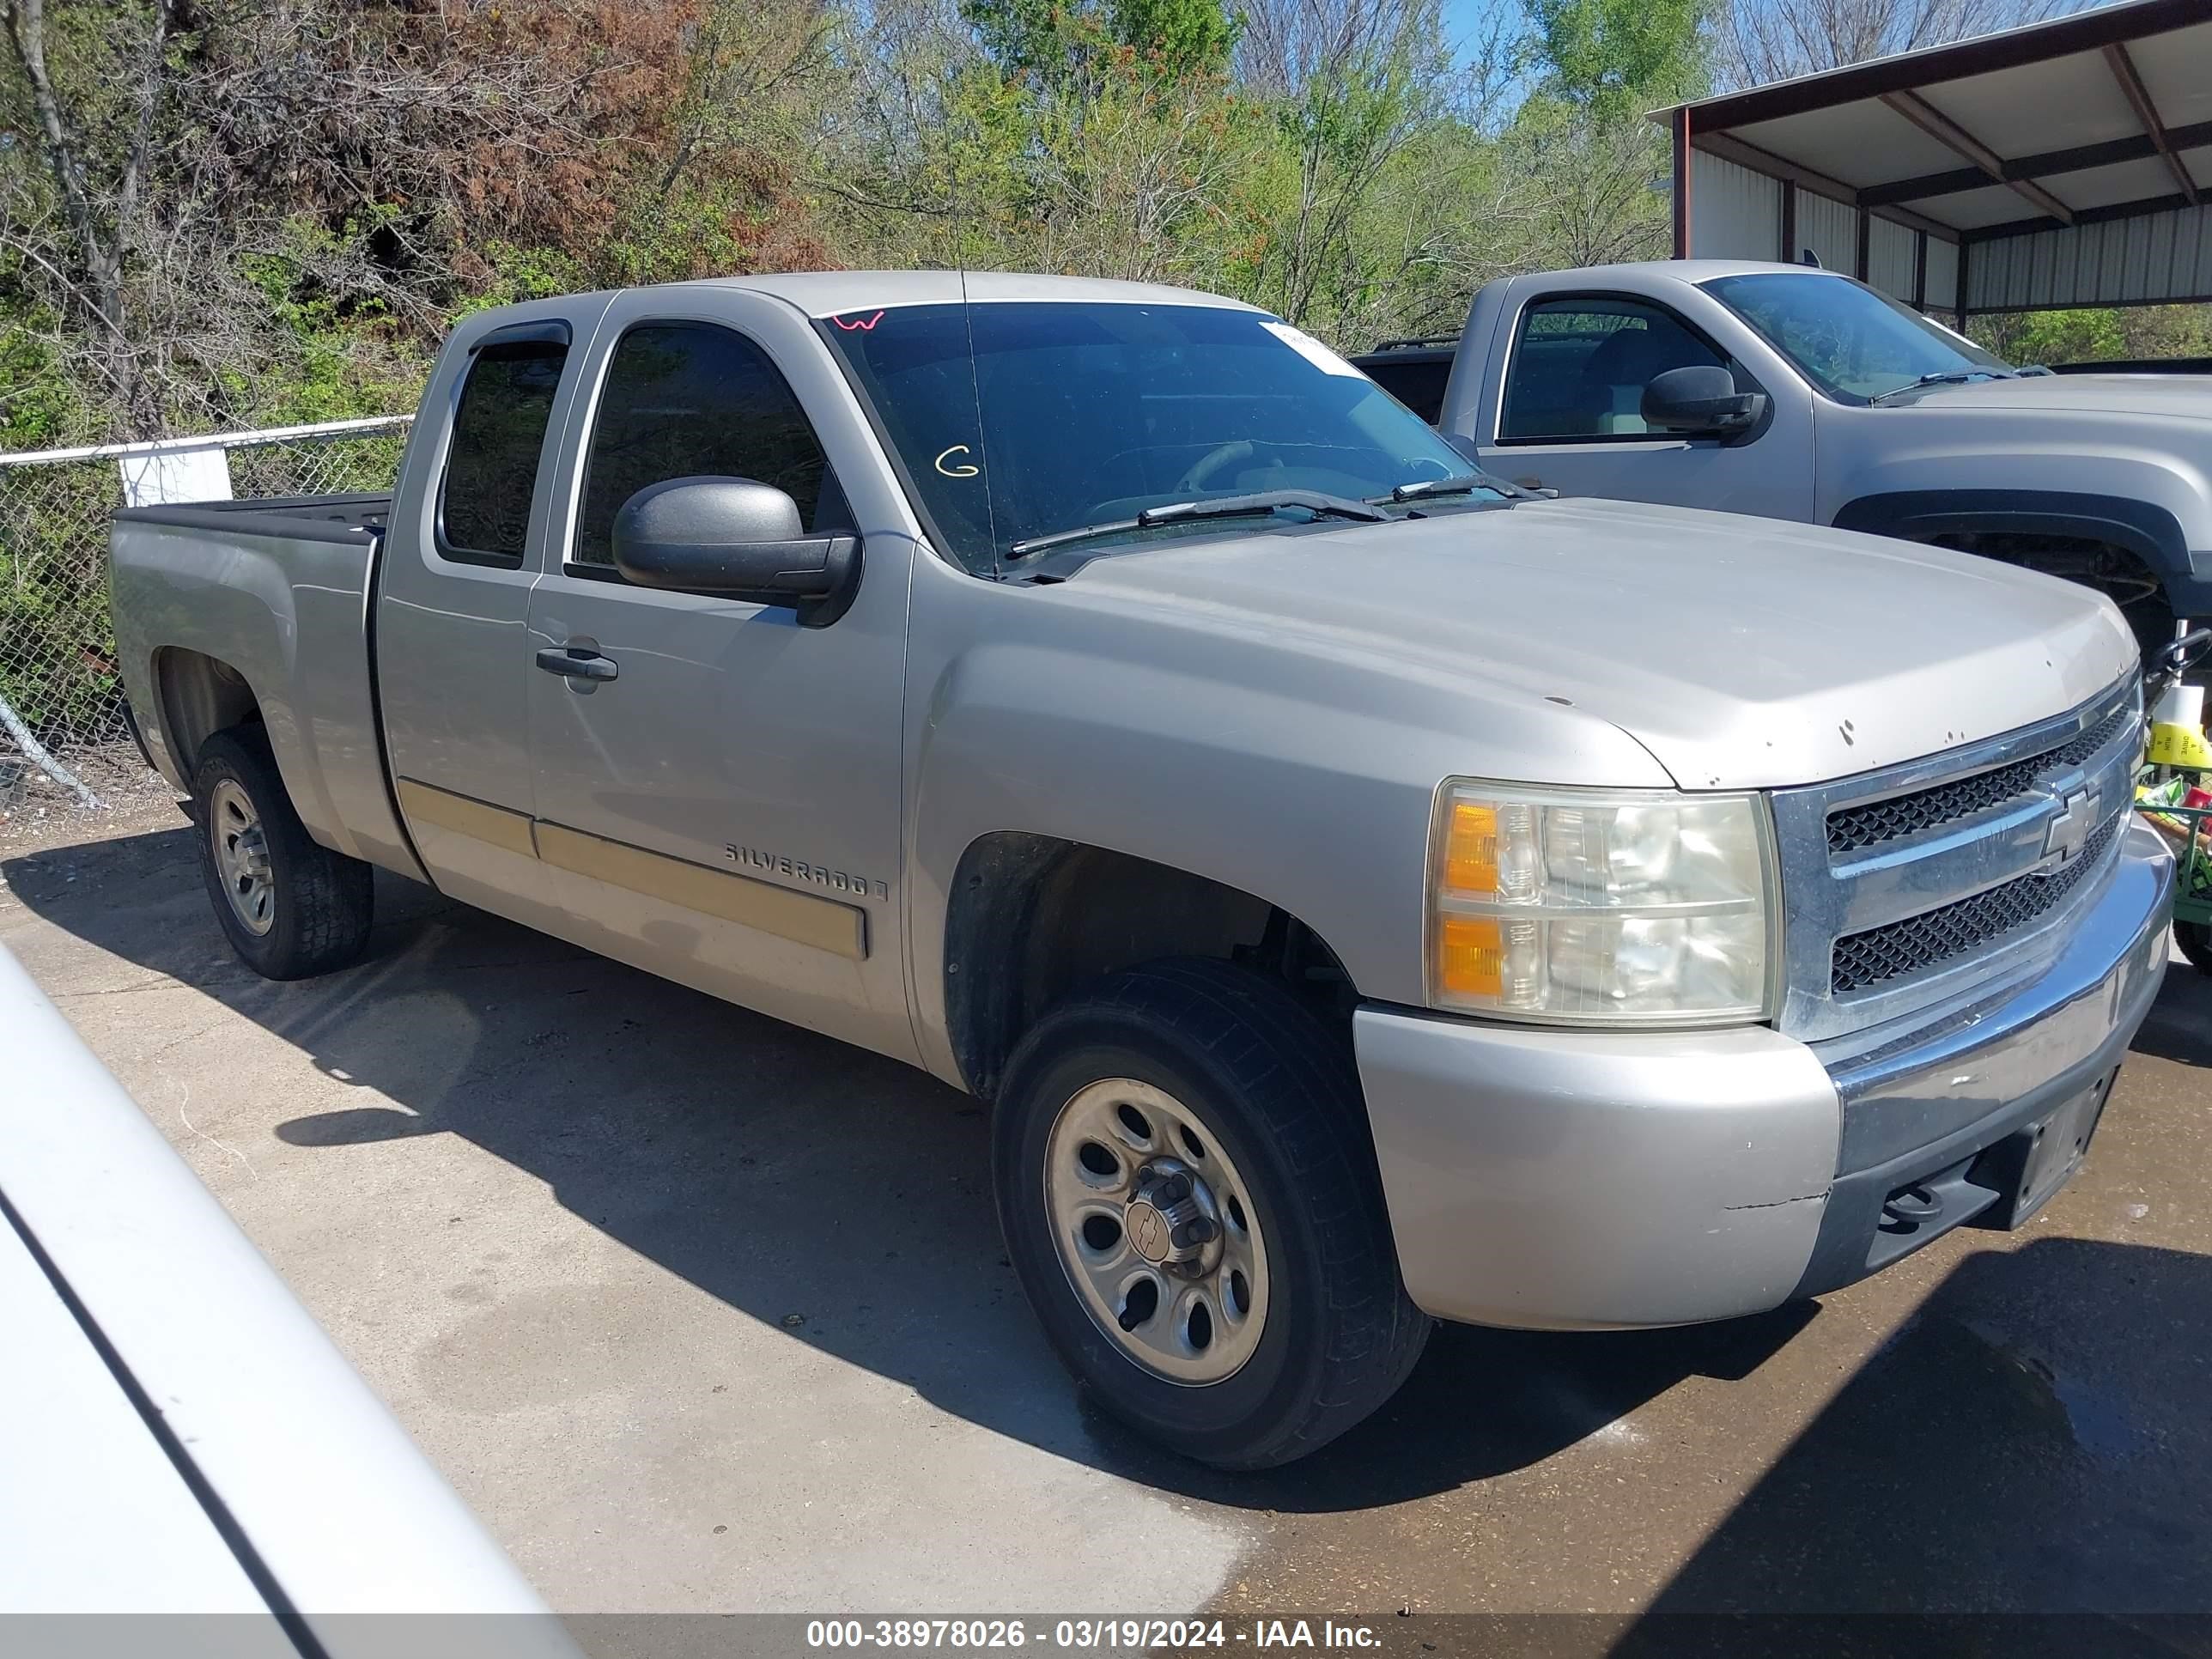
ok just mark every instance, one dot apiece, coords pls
pixel 57 643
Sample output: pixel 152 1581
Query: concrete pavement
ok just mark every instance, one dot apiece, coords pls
pixel 702 1312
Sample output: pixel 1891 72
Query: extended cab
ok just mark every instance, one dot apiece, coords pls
pixel 1798 393
pixel 1364 891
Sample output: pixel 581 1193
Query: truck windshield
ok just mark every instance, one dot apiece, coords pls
pixel 1015 420
pixel 1848 339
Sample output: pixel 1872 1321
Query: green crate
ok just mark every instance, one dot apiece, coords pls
pixel 2192 900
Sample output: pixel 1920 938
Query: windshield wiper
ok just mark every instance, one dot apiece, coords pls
pixel 1461 484
pixel 1944 377
pixel 1257 505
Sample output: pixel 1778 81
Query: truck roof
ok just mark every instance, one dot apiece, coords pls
pixel 835 293
pixel 1687 271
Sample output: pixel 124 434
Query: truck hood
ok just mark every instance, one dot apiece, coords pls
pixel 2186 395
pixel 1741 653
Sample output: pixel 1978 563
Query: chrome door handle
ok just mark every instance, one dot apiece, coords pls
pixel 577 662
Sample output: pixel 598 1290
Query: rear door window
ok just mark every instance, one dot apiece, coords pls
pixel 499 438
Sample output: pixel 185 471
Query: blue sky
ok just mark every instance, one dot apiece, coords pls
pixel 1465 19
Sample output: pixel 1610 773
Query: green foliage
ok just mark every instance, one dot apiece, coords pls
pixel 55 643
pixel 322 185
pixel 1177 37
pixel 39 408
pixel 2101 334
pixel 514 274
pixel 2062 337
pixel 1062 43
pixel 1618 58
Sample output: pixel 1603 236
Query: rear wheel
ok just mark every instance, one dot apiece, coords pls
pixel 290 908
pixel 2195 940
pixel 1190 1198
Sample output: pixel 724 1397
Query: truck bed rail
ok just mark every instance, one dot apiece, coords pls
pixel 346 519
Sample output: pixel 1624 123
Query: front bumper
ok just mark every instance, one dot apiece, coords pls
pixel 1563 1180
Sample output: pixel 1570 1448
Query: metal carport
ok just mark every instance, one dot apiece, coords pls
pixel 2067 163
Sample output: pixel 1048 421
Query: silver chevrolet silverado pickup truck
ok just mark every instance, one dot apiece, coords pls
pixel 1365 892
pixel 1801 394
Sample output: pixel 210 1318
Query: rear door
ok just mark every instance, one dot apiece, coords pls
pixel 1565 415
pixel 721 805
pixel 467 542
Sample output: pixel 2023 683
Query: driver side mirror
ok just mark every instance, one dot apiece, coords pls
pixel 739 539
pixel 1700 401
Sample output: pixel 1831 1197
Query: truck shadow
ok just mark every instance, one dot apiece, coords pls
pixel 2180 1024
pixel 787 1174
pixel 2004 1476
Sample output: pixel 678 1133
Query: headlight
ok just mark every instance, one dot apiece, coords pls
pixel 1601 905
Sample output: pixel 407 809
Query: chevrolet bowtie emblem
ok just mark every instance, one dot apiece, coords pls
pixel 2072 826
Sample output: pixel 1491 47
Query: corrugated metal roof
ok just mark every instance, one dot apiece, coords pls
pixel 2067 159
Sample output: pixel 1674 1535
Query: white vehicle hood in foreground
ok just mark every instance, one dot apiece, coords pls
pixel 1742 653
pixel 177 1436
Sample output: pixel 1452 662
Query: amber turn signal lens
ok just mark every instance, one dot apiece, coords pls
pixel 1471 849
pixel 1470 956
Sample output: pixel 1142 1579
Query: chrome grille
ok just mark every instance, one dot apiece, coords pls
pixel 1909 886
pixel 1936 937
pixel 1876 822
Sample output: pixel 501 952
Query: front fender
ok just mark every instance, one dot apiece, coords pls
pixel 2153 533
pixel 2032 478
pixel 1304 781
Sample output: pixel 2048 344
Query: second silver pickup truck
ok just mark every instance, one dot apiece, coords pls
pixel 1364 891
pixel 1802 394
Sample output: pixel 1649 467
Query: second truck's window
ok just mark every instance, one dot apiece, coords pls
pixel 499 430
pixel 1580 367
pixel 691 400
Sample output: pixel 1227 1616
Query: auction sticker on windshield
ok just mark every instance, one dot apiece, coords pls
pixel 1311 349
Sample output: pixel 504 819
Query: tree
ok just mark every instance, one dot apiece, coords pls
pixel 1283 44
pixel 1616 59
pixel 1073 43
pixel 91 96
pixel 1580 140
pixel 1763 40
pixel 1367 81
pixel 223 211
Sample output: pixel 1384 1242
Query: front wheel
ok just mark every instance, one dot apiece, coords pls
pixel 1190 1199
pixel 2195 940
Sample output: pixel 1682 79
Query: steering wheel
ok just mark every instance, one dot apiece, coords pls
pixel 1240 449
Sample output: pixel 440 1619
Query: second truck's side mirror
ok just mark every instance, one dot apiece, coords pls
pixel 737 538
pixel 1700 400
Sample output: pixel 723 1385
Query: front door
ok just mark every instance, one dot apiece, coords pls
pixel 1567 415
pixel 717 787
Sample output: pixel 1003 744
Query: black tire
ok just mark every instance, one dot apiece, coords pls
pixel 2195 940
pixel 1281 1094
pixel 319 903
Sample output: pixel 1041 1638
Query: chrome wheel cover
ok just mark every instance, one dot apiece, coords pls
pixel 1155 1229
pixel 241 857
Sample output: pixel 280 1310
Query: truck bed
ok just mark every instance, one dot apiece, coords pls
pixel 301 518
pixel 264 603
